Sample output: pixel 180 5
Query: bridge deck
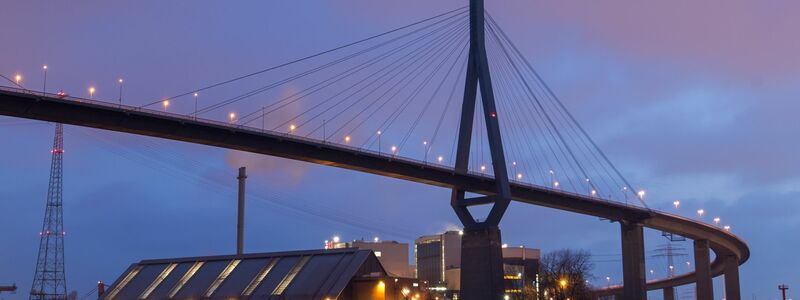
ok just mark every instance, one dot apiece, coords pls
pixel 120 118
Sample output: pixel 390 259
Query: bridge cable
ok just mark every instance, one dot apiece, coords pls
pixel 560 103
pixel 327 65
pixel 308 57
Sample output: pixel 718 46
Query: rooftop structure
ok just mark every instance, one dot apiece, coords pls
pixel 313 274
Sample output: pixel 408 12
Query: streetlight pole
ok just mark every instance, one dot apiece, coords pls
pixel 379 142
pixel 425 147
pixel 120 91
pixel 195 105
pixel 44 84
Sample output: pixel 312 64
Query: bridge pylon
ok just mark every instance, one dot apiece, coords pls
pixel 481 250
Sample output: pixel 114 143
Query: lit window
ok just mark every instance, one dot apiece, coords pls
pixel 196 266
pixel 222 276
pixel 158 281
pixel 289 277
pixel 261 275
pixel 378 253
pixel 121 285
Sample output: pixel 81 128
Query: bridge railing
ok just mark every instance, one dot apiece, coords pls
pixel 287 135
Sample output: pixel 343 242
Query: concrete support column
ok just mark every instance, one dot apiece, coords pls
pixel 702 265
pixel 633 267
pixel 669 293
pixel 481 264
pixel 732 278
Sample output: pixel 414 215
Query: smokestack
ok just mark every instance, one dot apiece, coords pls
pixel 101 289
pixel 240 214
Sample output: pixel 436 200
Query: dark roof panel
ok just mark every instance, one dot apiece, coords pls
pixel 201 280
pixel 138 284
pixel 275 276
pixel 240 278
pixel 162 291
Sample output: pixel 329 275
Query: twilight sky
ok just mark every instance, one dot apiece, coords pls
pixel 696 101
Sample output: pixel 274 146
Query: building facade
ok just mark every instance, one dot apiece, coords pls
pixel 435 254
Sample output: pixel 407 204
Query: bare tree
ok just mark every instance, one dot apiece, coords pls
pixel 564 275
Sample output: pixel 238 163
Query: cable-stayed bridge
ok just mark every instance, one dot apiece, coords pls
pixel 397 104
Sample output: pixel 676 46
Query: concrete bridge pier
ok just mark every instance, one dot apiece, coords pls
pixel 669 293
pixel 481 264
pixel 702 267
pixel 633 266
pixel 732 278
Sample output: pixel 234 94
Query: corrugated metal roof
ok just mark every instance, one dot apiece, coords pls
pixel 314 274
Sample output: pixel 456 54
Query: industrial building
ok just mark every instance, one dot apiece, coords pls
pixel 438 263
pixel 316 274
pixel 435 254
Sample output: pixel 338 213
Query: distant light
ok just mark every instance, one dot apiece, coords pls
pixel 594 192
pixel 196 94
pixel 292 127
pixel 460 232
pixel 440 158
pixel 44 67
pixel 551 172
pixel 166 104
pixel 727 227
pixel 425 143
pixel 587 180
pixel 17 78
pixel 676 203
pixel 556 183
pixel 336 239
pixel 701 212
pixel 232 116
pixel 519 176
pixel 394 148
pixel 91 92
pixel 493 114
pixel 120 80
pixel 483 168
pixel 375 239
pixel 563 283
pixel 505 246
pixel 379 132
pixel 716 220
pixel 641 194
pixel 347 139
pixel 381 284
pixel 514 163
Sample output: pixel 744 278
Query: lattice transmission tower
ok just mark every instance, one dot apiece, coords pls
pixel 49 281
